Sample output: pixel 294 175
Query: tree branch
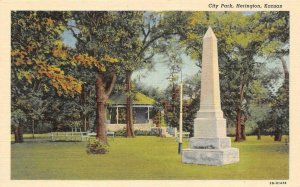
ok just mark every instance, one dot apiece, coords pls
pixel 146 34
pixel 112 84
pixel 75 35
pixel 285 69
pixel 149 57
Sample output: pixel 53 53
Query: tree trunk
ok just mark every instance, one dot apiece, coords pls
pixel 238 124
pixel 19 134
pixel 101 99
pixel 277 135
pixel 278 132
pixel 33 129
pixel 129 117
pixel 101 126
pixel 174 99
pixel 82 103
pixel 238 129
pixel 285 70
pixel 17 139
pixel 243 126
pixel 85 123
pixel 243 132
pixel 286 75
pixel 104 86
pixel 159 119
pixel 258 134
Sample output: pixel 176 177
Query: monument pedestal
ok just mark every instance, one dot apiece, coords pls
pixel 204 150
pixel 210 146
pixel 210 156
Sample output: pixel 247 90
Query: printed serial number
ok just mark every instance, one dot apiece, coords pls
pixel 277 182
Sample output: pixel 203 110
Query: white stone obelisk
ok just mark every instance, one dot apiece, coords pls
pixel 210 104
pixel 210 145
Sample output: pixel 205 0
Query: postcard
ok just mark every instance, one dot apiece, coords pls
pixel 166 93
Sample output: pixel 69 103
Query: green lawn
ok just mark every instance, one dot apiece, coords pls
pixel 143 158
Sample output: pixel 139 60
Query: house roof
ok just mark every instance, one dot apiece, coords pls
pixel 139 99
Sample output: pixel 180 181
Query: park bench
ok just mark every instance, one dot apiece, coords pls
pixel 108 133
pixel 184 135
pixel 73 136
pixel 68 136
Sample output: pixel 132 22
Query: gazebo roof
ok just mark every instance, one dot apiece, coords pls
pixel 139 99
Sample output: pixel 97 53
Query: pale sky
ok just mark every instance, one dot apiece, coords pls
pixel 158 76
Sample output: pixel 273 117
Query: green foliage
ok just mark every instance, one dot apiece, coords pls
pixel 142 133
pixel 276 47
pixel 275 25
pixel 277 118
pixel 241 39
pixel 96 147
pixel 120 132
pixel 172 93
pixel 189 115
pixel 18 117
pixel 117 33
pixel 136 132
pixel 37 50
pixel 116 42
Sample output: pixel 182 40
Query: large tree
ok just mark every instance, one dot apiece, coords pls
pixel 36 57
pixel 276 48
pixel 235 55
pixel 238 43
pixel 132 45
pixel 128 37
pixel 146 30
pixel 100 41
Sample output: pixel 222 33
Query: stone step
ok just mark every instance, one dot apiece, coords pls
pixel 210 156
pixel 210 143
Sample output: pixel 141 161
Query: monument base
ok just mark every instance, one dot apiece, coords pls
pixel 210 143
pixel 210 156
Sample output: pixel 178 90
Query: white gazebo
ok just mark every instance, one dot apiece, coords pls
pixel 142 106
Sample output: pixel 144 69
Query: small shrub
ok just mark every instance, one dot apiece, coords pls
pixel 120 132
pixel 142 133
pixel 155 131
pixel 96 147
pixel 136 133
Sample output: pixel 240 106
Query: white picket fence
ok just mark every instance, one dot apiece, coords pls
pixel 74 136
